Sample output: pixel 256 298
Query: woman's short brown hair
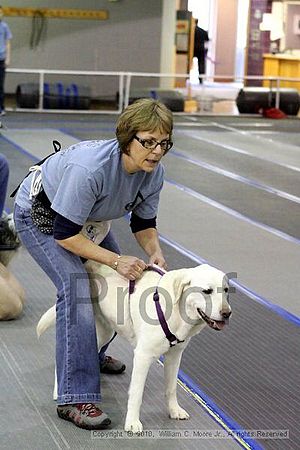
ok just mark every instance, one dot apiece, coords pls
pixel 144 114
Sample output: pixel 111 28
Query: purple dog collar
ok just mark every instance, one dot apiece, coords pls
pixel 173 340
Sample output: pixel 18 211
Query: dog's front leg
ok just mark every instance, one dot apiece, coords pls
pixel 171 367
pixel 141 364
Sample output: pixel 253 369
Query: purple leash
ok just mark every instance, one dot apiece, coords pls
pixel 173 340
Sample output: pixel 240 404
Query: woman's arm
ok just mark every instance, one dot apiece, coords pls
pixel 130 267
pixel 148 240
pixel 81 246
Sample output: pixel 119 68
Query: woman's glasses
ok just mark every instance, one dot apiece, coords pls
pixel 151 144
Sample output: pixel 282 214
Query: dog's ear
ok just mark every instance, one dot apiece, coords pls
pixel 174 282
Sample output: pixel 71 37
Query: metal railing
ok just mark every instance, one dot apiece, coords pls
pixel 125 84
pixel 41 74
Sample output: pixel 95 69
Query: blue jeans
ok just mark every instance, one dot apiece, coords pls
pixel 77 358
pixel 4 172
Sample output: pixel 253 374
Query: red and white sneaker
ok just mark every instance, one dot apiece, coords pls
pixel 84 415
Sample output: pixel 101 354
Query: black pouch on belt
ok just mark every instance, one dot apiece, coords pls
pixel 41 213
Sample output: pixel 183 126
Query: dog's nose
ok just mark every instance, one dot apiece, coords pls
pixel 225 314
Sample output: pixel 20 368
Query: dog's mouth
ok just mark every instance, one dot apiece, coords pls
pixel 214 324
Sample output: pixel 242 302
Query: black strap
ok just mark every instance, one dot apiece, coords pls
pixel 57 148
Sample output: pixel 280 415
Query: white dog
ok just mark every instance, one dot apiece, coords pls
pixel 185 301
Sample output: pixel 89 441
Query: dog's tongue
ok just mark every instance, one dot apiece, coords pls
pixel 219 325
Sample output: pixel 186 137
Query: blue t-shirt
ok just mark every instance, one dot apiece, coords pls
pixel 87 181
pixel 5 35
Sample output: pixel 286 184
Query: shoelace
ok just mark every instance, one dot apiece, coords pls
pixel 89 409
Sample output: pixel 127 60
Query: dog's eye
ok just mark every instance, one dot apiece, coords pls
pixel 207 291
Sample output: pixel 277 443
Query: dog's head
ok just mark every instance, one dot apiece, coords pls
pixel 210 297
pixel 9 242
pixel 203 293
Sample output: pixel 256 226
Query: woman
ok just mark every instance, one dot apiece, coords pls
pixel 93 181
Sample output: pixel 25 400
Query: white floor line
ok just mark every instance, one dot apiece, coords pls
pixel 190 124
pixel 233 212
pixel 251 124
pixel 240 178
pixel 266 132
pixel 248 133
pixel 229 128
pixel 244 152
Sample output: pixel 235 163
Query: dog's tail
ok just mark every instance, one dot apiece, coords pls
pixel 46 321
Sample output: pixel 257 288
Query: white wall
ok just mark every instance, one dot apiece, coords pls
pixel 168 50
pixel 220 18
pixel 130 40
pixel 292 40
pixel 242 34
pixel 225 45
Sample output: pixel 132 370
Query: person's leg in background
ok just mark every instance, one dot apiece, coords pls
pixel 202 64
pixel 2 78
pixel 201 67
pixel 107 363
pixel 4 173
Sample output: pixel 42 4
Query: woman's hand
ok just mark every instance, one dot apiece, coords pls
pixel 158 259
pixel 148 240
pixel 130 267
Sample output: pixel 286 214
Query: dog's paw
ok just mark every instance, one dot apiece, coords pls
pixel 178 413
pixel 134 426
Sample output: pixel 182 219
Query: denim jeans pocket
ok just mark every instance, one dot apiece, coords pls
pixel 22 218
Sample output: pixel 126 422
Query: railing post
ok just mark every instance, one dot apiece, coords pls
pixel 41 90
pixel 127 90
pixel 121 92
pixel 277 98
